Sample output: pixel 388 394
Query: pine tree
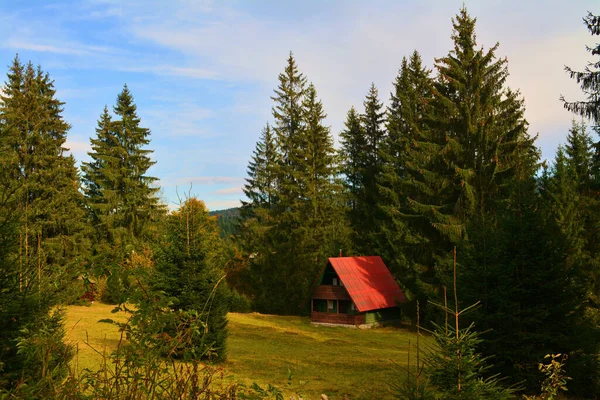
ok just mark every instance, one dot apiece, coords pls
pixel 324 209
pixel 288 113
pixel 406 125
pixel 291 235
pixel 260 187
pixel 191 260
pixel 475 140
pixel 44 191
pixel 257 215
pixel 352 154
pixel 275 264
pixel 120 195
pixel 367 214
pixel 589 79
pixel 92 176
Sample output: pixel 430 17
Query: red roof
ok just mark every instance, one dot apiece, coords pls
pixel 368 281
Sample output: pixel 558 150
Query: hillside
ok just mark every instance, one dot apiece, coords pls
pixel 267 349
pixel 227 221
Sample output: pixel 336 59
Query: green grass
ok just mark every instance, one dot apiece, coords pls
pixel 336 361
pixel 89 336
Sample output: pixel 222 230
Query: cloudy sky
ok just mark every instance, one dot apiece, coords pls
pixel 202 72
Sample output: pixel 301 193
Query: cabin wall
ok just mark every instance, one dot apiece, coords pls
pixel 329 318
pixel 328 292
pixel 384 314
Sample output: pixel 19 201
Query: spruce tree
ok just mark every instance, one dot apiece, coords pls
pixel 301 223
pixel 368 215
pixel 589 187
pixel 588 79
pixel 190 270
pixel 324 226
pixel 276 269
pixel 47 211
pixel 352 163
pixel 257 214
pixel 406 125
pixel 475 140
pixel 120 195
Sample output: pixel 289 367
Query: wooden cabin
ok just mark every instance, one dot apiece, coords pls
pixel 355 291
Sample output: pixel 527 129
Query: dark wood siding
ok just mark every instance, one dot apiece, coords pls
pixel 328 292
pixel 330 318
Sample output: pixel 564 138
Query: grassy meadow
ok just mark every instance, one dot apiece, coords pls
pixel 266 348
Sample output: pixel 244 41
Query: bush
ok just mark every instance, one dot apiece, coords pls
pixel 239 302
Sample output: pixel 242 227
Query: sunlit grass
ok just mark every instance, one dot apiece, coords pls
pixel 266 348
pixel 82 326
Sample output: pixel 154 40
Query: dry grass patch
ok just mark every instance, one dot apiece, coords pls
pixel 266 348
pixel 82 326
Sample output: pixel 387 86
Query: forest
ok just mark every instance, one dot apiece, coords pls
pixel 446 184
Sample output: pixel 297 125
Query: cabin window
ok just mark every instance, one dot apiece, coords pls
pixel 331 306
pixel 353 307
pixel 335 281
pixel 319 305
pixel 344 306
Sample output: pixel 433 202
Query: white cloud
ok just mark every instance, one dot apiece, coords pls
pixel 203 180
pixel 79 148
pixel 65 49
pixel 214 205
pixel 187 72
pixel 229 190
pixel 180 119
pixel 343 55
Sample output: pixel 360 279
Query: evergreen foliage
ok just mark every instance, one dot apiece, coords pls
pixel 190 271
pixel 589 78
pixel 257 214
pixel 121 198
pixel 42 223
pixel 449 164
pixel 227 221
pixel 457 370
pixel 353 146
pixel 569 206
pixel 406 125
pixel 366 214
pixel 294 217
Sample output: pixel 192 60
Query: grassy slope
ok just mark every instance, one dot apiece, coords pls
pixel 262 348
pixel 82 326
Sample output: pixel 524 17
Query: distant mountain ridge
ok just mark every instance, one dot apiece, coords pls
pixel 227 221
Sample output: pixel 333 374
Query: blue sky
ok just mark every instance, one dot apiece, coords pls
pixel 202 72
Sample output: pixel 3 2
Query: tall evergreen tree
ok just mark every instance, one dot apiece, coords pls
pixel 41 191
pixel 257 215
pixel 279 268
pixel 513 253
pixel 120 195
pixel 52 231
pixel 588 79
pixel 191 260
pixel 406 125
pixel 301 223
pixel 368 215
pixel 475 140
pixel 352 155
pixel 589 187
pixel 260 187
pixel 324 224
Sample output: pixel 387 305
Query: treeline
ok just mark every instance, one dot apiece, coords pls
pixel 226 221
pixel 104 236
pixel 448 164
